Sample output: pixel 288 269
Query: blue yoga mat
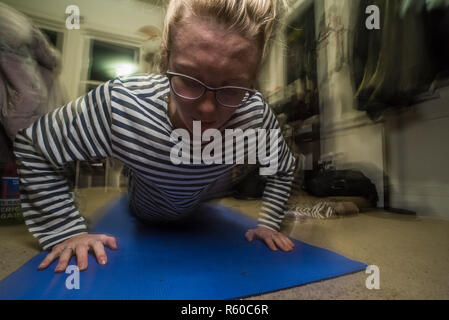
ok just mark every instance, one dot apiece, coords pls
pixel 206 257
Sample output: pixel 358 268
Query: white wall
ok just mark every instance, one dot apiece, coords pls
pixel 418 157
pixel 113 20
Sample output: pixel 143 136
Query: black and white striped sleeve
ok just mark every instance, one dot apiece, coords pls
pixel 79 130
pixel 278 185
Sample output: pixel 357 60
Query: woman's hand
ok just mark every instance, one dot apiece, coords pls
pixel 79 245
pixel 273 239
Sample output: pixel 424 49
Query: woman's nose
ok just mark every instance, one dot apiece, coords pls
pixel 207 105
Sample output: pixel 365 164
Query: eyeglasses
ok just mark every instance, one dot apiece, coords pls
pixel 192 89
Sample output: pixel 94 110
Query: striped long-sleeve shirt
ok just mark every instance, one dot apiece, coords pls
pixel 127 119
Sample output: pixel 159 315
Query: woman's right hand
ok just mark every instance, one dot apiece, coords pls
pixel 79 245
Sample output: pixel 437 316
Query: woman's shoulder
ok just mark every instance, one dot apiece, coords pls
pixel 148 92
pixel 145 84
pixel 250 114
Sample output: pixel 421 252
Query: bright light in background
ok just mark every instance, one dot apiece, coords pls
pixel 125 69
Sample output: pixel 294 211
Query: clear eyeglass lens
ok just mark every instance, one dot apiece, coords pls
pixel 232 97
pixel 186 87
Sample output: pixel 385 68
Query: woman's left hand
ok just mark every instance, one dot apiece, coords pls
pixel 273 239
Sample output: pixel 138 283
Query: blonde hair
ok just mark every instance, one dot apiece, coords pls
pixel 256 20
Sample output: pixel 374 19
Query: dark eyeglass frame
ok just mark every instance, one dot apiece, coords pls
pixel 170 75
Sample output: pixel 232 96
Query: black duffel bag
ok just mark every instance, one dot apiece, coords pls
pixel 341 183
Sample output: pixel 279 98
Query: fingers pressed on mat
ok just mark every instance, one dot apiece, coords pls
pixel 81 256
pixel 48 260
pixel 110 242
pixel 98 248
pixel 280 243
pixel 64 258
pixel 270 244
pixel 288 242
pixel 249 235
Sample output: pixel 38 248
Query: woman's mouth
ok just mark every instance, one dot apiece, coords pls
pixel 205 123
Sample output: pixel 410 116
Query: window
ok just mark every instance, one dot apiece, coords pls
pixel 108 61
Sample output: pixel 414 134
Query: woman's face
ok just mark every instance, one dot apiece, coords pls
pixel 204 50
